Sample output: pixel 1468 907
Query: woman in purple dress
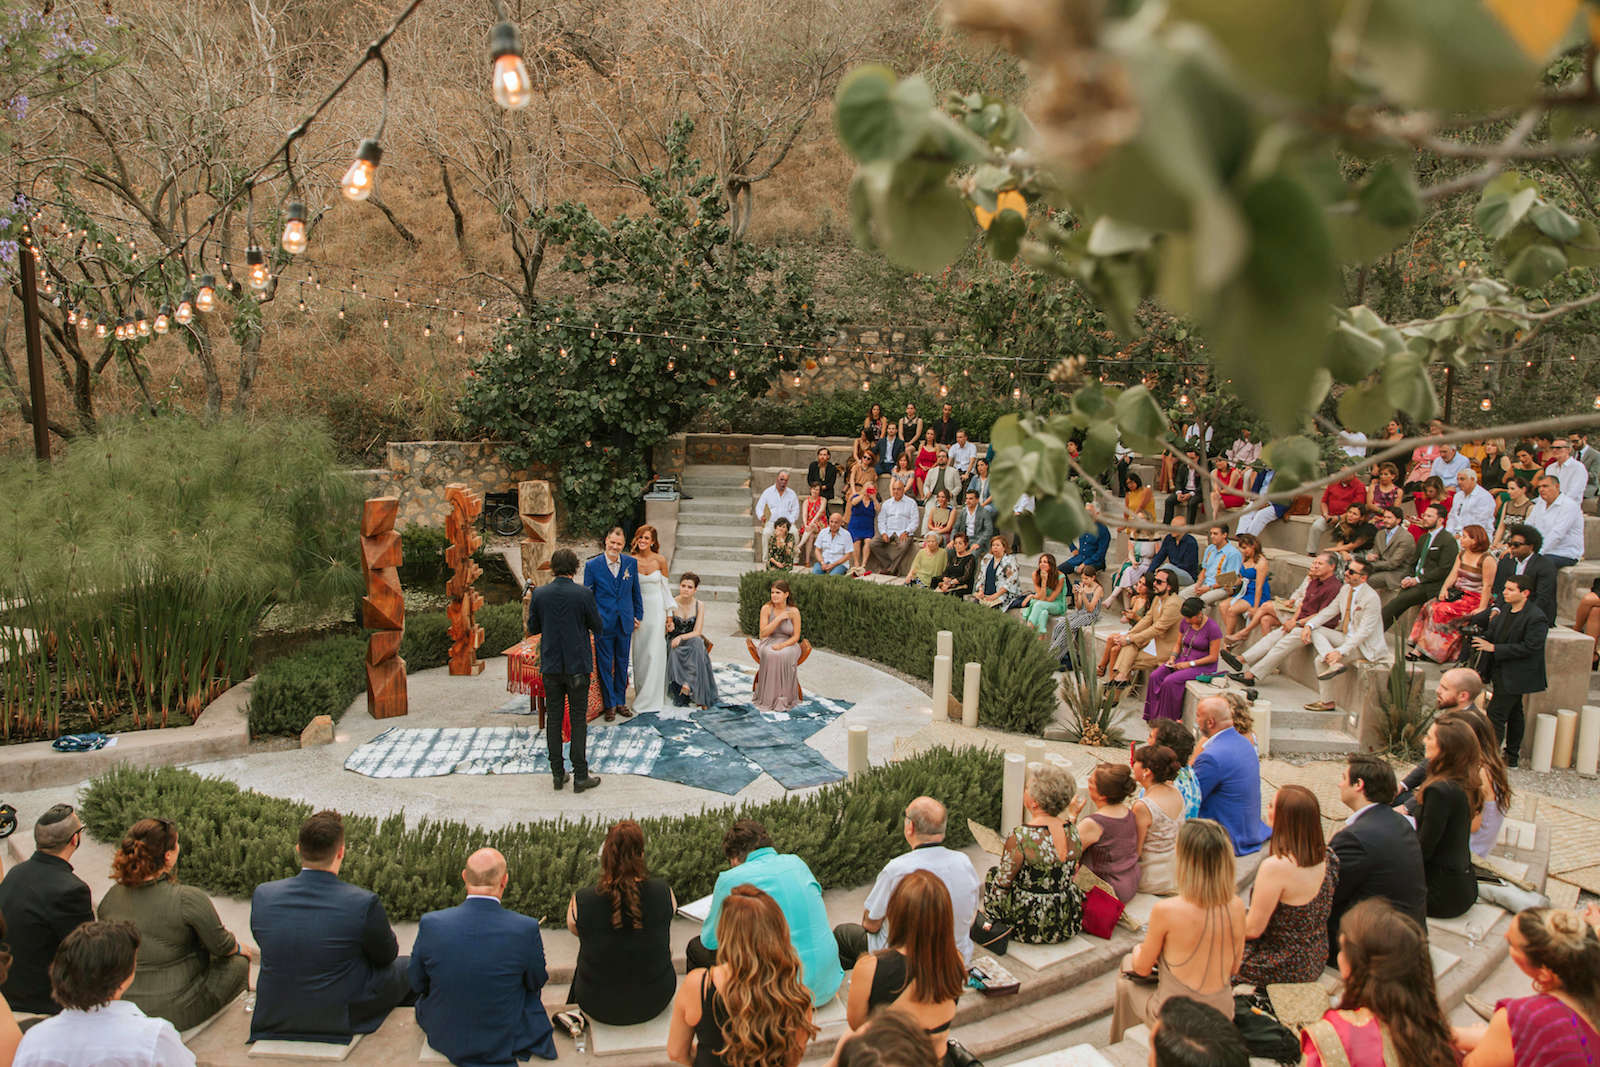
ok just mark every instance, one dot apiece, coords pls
pixel 1557 1026
pixel 1199 643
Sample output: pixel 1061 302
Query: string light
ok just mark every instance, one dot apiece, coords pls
pixel 100 333
pixel 513 89
pixel 206 299
pixel 163 321
pixel 257 273
pixel 294 239
pixel 357 182
pixel 141 323
pixel 1485 404
pixel 185 312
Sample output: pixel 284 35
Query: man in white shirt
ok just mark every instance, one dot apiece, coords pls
pixel 92 971
pixel 830 550
pixel 778 501
pixel 1244 452
pixel 963 452
pixel 1572 475
pixel 1353 443
pixel 898 524
pixel 924 830
pixel 1473 505
pixel 1559 521
pixel 1449 464
pixel 1359 638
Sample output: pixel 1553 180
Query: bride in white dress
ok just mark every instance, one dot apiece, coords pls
pixel 649 656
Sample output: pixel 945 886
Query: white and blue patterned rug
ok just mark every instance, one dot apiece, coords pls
pixel 724 748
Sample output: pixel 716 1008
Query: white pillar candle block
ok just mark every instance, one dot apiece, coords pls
pixel 1544 742
pixel 857 756
pixel 941 687
pixel 1588 761
pixel 969 695
pixel 944 643
pixel 1261 711
pixel 1033 752
pixel 1011 792
pixel 1566 738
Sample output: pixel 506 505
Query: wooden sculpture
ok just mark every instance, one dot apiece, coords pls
pixel 465 634
pixel 383 609
pixel 538 507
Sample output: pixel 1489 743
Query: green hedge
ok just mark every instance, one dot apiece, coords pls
pixel 839 414
pixel 234 840
pixel 325 676
pixel 898 626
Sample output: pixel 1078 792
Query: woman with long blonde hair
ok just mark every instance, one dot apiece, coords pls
pixel 749 1009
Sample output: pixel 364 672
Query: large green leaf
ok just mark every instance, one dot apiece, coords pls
pixel 1409 388
pixel 1449 55
pixel 1294 460
pixel 1141 419
pixel 1365 407
pixel 1278 46
pixel 1004 236
pixel 1553 222
pixel 878 116
pixel 1535 265
pixel 1389 196
pixel 1497 214
pixel 1006 432
pixel 1063 517
pixel 1099 445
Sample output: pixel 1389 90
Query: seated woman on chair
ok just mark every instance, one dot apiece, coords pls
pixel 778 653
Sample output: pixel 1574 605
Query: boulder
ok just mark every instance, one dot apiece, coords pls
pixel 319 731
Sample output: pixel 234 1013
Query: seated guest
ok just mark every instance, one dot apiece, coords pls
pixel 1082 614
pixel 10 1032
pixel 88 977
pixel 831 549
pixel 1159 812
pixel 974 521
pixel 1377 848
pixel 1436 556
pixel 1288 626
pixel 862 500
pixel 781 547
pixel 1560 523
pixel 1199 646
pixel 1437 631
pixel 1384 490
pixel 863 456
pixel 1188 489
pixel 920 972
pixel 1286 929
pixel 1357 639
pixel 750 1006
pixel 823 473
pixel 898 521
pixel 1473 505
pixel 939 517
pixel 1255 589
pixel 1178 551
pixel 1389 1000
pixel 1495 783
pixel 1139 604
pixel 42 901
pixel 690 678
pixel 1337 500
pixel 1159 628
pixel 778 652
pixel 888 1039
pixel 924 831
pixel 623 925
pixel 1091 549
pixel 928 565
pixel 1229 773
pixel 1219 568
pixel 959 567
pixel 1393 551
pixel 904 476
pixel 1560 1023
pixel 1458 690
pixel 813 520
pixel 927 453
pixel 890 448
pixel 190 966
pixel 1433 494
pixel 330 964
pixel 997 582
pixel 1262 514
pixel 943 476
pixel 911 426
pixel 777 501
pixel 1518 500
pixel 1353 533
pixel 1534 572
pixel 1193 941
pixel 1031 888
pixel 1449 464
pixel 478 969
pixel 1447 802
pixel 1244 452
pixel 1110 834
pixel 1187 1033
pixel 963 452
pixel 1229 485
pixel 1176 736
pixel 1049 597
pixel 754 862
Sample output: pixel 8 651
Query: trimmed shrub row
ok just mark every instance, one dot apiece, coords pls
pixel 325 676
pixel 234 840
pixel 898 626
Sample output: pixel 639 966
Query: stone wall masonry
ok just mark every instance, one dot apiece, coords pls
pixel 418 471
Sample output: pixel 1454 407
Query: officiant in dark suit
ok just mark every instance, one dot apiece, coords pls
pixel 564 614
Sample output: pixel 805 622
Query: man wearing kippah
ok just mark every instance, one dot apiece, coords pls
pixel 43 902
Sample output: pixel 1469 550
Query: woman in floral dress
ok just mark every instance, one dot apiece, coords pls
pixel 1032 887
pixel 1436 633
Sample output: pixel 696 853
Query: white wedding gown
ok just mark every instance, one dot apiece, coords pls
pixel 650 645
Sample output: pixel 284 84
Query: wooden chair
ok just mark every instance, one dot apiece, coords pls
pixel 805 653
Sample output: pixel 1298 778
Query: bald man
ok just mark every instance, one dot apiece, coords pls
pixel 1229 773
pixel 478 969
pixel 1458 690
pixel 924 831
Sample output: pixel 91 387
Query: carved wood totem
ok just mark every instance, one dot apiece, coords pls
pixel 461 527
pixel 538 507
pixel 383 609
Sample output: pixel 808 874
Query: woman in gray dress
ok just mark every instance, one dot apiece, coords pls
pixel 690 679
pixel 778 652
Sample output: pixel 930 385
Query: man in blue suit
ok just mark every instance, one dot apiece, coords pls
pixel 614 579
pixel 477 969
pixel 330 964
pixel 1229 773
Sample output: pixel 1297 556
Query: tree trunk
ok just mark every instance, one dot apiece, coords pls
pixel 249 361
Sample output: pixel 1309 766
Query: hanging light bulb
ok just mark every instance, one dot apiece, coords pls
pixel 672 364
pixel 944 390
pixel 461 337
pixel 206 299
pixel 357 181
pixel 100 330
pixel 427 331
pixel 119 333
pixel 163 321
pixel 85 324
pixel 341 312
pixel 294 229
pixel 513 88
pixel 142 323
pixel 185 312
pixel 386 322
pixel 1016 394
pixel 72 316
pixel 733 375
pixel 613 361
pixel 257 273
pixel 795 380
pixel 865 385
pixel 1485 404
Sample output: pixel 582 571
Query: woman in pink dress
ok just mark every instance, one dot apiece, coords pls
pixel 1422 459
pixel 1436 633
pixel 1559 1026
pixel 1388 1014
pixel 778 652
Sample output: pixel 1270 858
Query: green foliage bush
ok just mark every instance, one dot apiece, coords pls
pixel 325 676
pixel 234 840
pixel 839 414
pixel 898 626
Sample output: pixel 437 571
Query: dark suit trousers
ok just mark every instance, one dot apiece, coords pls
pixel 570 693
pixel 1192 508
pixel 611 654
pixel 1406 599
pixel 1505 713
pixel 390 988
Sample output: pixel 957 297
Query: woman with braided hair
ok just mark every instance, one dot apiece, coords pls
pixel 1559 1026
pixel 624 929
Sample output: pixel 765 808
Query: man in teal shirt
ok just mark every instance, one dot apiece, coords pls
pixel 754 861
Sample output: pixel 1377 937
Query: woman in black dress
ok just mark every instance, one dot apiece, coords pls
pixel 961 565
pixel 624 974
pixel 1448 800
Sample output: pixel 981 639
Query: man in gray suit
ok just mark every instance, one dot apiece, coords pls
pixel 975 521
pixel 1393 551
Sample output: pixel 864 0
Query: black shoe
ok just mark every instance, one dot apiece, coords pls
pixel 1231 660
pixel 1241 677
pixel 1251 694
pixel 560 778
pixel 588 781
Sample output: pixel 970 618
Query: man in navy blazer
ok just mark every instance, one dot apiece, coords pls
pixel 478 969
pixel 330 964
pixel 563 614
pixel 613 577
pixel 1379 855
pixel 1229 773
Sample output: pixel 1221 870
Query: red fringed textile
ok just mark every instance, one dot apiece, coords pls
pixel 523 676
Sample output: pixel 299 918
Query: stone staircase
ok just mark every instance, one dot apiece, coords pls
pixel 716 535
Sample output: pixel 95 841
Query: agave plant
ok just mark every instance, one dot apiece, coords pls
pixel 1405 720
pixel 1091 705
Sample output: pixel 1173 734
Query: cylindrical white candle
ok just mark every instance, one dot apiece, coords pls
pixel 1011 792
pixel 969 695
pixel 1544 742
pixel 944 643
pixel 941 688
pixel 1261 711
pixel 1588 761
pixel 1566 738
pixel 857 754
pixel 1033 751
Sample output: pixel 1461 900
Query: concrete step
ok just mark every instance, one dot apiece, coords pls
pixel 725 594
pixel 1311 742
pixel 719 507
pixel 1297 718
pixel 708 474
pixel 729 535
pixel 1571 583
pixel 728 570
pixel 702 551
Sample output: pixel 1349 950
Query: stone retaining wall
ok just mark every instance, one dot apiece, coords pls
pixel 418 471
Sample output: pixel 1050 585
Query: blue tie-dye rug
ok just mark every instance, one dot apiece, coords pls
pixel 724 748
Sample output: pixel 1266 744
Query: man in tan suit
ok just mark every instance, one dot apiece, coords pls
pixel 1160 624
pixel 1359 639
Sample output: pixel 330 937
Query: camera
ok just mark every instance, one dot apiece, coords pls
pixel 8 821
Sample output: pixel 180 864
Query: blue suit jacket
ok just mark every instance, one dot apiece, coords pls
pixel 324 945
pixel 1092 548
pixel 478 969
pixel 1229 772
pixel 618 598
